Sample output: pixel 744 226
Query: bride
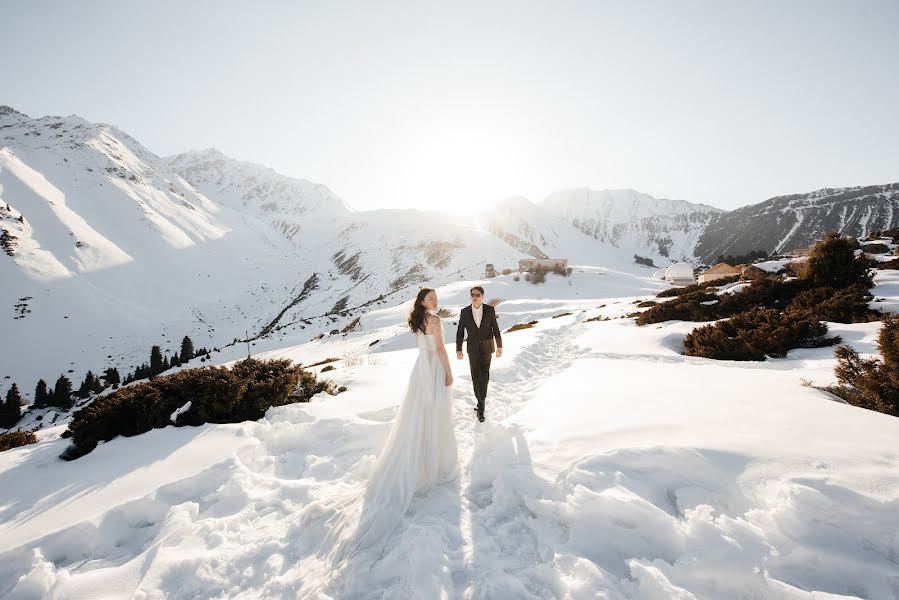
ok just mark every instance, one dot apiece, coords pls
pixel 420 450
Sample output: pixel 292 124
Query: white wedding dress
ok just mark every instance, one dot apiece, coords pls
pixel 420 452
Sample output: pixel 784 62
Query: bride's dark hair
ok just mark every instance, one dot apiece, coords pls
pixel 418 315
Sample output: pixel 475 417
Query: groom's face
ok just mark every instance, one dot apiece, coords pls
pixel 476 298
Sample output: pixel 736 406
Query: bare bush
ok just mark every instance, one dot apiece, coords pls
pixel 14 439
pixel 351 359
pixel 520 326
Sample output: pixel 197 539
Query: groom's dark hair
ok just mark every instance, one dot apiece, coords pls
pixel 478 288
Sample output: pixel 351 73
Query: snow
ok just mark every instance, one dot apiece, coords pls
pixel 180 410
pixel 610 466
pixel 779 247
pixel 773 266
pixel 121 250
pixel 733 288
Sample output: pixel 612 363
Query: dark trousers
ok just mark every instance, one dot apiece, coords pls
pixel 480 376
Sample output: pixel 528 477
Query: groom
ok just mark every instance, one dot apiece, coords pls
pixel 479 320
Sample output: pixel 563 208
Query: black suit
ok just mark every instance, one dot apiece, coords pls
pixel 480 347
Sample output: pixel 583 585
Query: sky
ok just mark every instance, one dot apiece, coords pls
pixel 454 105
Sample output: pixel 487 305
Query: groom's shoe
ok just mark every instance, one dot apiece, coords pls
pixel 479 414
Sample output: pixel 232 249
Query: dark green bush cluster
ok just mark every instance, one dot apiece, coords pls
pixel 695 287
pixel 703 304
pixel 770 316
pixel 871 383
pixel 216 394
pixel 756 334
pixel 833 286
pixel 14 439
pixel 875 248
pixel 833 263
pixel 838 305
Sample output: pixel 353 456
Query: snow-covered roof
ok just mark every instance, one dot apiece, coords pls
pixel 660 274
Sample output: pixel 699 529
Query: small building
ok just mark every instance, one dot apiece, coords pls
pixel 719 271
pixel 659 275
pixel 535 264
pixel 489 271
pixel 680 274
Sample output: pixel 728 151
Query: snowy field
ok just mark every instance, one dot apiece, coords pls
pixel 610 466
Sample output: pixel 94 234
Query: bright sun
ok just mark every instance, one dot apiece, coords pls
pixel 464 166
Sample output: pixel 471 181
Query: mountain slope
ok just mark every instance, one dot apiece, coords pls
pixel 648 226
pixel 109 249
pixel 797 220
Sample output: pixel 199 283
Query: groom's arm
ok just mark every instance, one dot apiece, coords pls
pixel 460 333
pixel 494 327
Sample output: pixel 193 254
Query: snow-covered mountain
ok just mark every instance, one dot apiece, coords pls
pixel 797 220
pixel 284 201
pixel 699 233
pixel 109 248
pixel 651 227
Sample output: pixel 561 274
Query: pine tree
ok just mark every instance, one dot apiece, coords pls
pixel 142 372
pixel 41 397
pixel 11 412
pixel 112 376
pixel 176 362
pixel 833 263
pixel 165 363
pixel 155 361
pixel 62 393
pixel 187 349
pixel 98 386
pixel 87 386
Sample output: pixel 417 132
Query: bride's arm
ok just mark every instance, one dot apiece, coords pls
pixel 437 330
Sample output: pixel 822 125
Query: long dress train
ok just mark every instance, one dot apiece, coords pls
pixel 420 452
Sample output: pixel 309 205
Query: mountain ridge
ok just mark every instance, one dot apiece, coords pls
pixel 122 245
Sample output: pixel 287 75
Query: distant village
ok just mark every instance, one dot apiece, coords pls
pixel 678 274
